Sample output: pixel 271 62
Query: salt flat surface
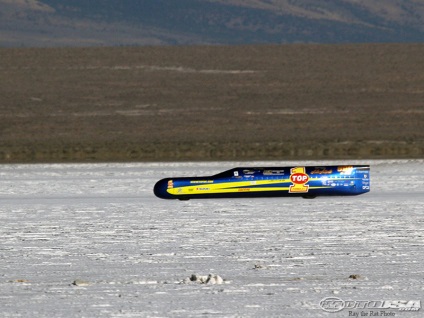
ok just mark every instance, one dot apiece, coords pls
pixel 91 240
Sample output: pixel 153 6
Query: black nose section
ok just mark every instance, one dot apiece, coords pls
pixel 160 189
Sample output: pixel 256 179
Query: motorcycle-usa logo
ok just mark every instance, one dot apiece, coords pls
pixel 299 178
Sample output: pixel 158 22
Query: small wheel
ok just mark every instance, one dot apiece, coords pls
pixel 183 199
pixel 309 196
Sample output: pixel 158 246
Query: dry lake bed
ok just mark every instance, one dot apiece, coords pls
pixel 91 240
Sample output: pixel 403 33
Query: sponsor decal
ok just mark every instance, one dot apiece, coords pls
pixel 170 184
pixel 201 181
pixel 299 178
pixel 345 169
pixel 243 189
pixel 321 170
pixel 203 189
pixel 369 307
pixel 273 172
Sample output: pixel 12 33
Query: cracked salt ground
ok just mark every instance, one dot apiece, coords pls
pixel 92 240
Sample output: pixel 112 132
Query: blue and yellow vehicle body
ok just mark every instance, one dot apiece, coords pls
pixel 307 182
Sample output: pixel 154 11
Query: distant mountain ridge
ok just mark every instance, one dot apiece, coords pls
pixel 180 22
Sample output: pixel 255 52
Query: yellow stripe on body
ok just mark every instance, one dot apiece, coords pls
pixel 224 187
pixel 232 187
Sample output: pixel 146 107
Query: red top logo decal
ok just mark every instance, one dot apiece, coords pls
pixel 299 178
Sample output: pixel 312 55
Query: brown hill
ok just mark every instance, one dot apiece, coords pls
pixel 212 103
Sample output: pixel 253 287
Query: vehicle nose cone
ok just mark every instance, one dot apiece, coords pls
pixel 160 189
